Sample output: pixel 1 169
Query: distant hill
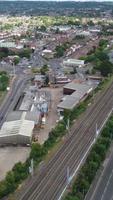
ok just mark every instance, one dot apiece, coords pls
pixel 45 8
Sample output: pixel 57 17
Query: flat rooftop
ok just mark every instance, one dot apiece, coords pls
pixel 80 90
pixel 73 62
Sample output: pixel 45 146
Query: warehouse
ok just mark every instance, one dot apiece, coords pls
pixel 74 94
pixel 18 128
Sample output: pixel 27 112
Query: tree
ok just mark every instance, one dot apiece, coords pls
pixel 4 80
pixel 101 55
pixel 37 151
pixel 105 68
pixel 10 182
pixel 20 171
pixel 59 51
pixel 47 80
pixel 91 23
pixel 44 69
pixel 26 52
pixel 42 28
pixel 3 189
pixel 16 60
pixel 57 31
pixel 103 43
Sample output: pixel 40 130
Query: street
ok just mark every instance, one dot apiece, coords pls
pixel 12 97
pixel 103 189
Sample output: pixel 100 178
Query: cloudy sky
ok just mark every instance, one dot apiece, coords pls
pixel 59 0
pixel 67 0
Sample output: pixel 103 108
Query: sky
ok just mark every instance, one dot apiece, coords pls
pixel 66 0
pixel 60 0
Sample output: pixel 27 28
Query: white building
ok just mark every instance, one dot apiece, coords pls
pixel 18 128
pixel 47 53
pixel 73 62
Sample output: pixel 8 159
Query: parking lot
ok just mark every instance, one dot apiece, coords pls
pixel 11 155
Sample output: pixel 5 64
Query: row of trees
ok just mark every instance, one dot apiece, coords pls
pixel 92 164
pixel 60 49
pixel 25 52
pixel 100 59
pixel 4 80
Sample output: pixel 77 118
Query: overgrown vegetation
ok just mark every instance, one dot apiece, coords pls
pixel 92 164
pixel 5 52
pixel 100 59
pixel 4 80
pixel 61 49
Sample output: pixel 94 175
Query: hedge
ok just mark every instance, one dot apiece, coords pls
pixel 92 164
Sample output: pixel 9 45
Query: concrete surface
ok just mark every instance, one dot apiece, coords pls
pixel 11 155
pixel 56 95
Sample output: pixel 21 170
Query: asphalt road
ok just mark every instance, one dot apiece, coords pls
pixel 51 182
pixel 103 189
pixel 12 97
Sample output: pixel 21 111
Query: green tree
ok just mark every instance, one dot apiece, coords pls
pixel 44 69
pixel 4 80
pixel 16 60
pixel 105 68
pixel 37 151
pixel 26 52
pixel 20 171
pixel 47 80
pixel 3 189
pixel 10 182
pixel 103 43
pixel 42 28
pixel 59 51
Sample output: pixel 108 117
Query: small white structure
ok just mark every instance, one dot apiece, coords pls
pixel 47 53
pixel 73 62
pixel 83 33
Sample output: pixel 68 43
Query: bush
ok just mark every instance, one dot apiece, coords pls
pixel 4 80
pixel 92 164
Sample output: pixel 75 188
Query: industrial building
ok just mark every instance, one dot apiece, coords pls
pixel 18 128
pixel 74 93
pixel 83 33
pixel 35 100
pixel 39 80
pixel 10 45
pixel 19 125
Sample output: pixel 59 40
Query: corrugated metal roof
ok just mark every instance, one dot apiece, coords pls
pixel 19 123
pixel 72 100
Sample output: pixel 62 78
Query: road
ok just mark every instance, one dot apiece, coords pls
pixel 12 97
pixel 103 189
pixel 51 182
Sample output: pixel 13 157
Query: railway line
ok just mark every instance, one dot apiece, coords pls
pixel 49 184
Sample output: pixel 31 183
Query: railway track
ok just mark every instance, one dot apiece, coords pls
pixel 49 184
